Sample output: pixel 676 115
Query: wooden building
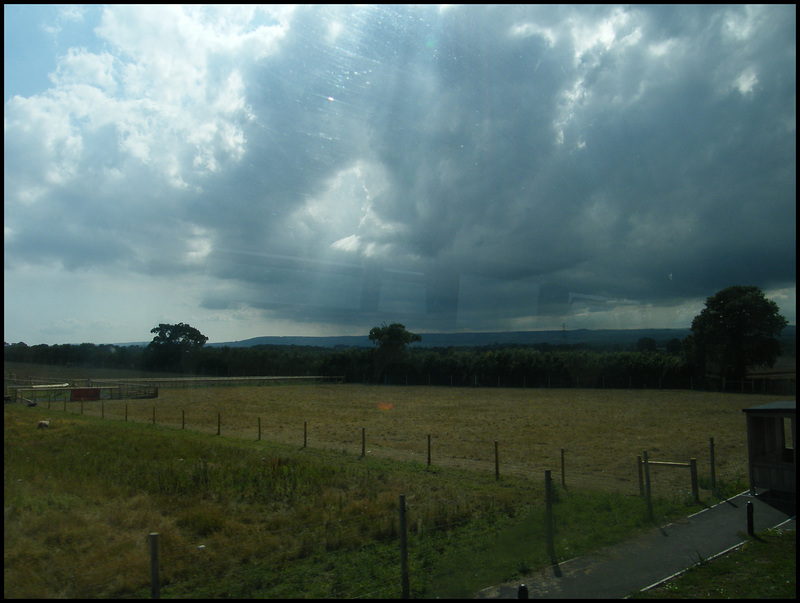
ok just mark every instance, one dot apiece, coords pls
pixel 772 458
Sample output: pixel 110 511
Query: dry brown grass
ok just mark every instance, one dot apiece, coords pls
pixel 58 528
pixel 602 431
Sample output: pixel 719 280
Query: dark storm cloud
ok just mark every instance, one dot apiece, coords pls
pixel 469 167
pixel 515 156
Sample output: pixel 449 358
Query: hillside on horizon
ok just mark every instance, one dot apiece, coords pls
pixel 589 337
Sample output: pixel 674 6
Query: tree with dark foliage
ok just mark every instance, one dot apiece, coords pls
pixel 737 330
pixel 391 341
pixel 175 347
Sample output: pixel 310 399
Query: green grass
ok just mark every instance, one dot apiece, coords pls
pixel 584 521
pixel 240 518
pixel 765 567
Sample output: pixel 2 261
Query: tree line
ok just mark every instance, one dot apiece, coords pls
pixel 538 365
pixel 735 331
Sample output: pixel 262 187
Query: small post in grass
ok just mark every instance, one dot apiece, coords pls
pixel 259 429
pixel 219 422
pixel 126 413
pixel 695 486
pixel 305 434
pixel 563 478
pixel 183 419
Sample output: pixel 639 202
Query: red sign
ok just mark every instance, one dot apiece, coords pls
pixel 85 394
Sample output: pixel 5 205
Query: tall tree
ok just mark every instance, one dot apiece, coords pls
pixel 736 330
pixel 175 347
pixel 391 341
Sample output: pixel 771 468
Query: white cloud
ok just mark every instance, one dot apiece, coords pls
pixel 746 81
pixel 524 30
pixel 82 67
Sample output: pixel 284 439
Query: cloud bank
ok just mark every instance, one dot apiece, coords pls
pixel 320 169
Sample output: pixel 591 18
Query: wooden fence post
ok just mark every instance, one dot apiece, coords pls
pixel 496 463
pixel 102 410
pixel 563 478
pixel 713 468
pixel 183 419
pixel 647 487
pixel 695 487
pixel 126 413
pixel 219 422
pixel 429 450
pixel 305 433
pixel 403 549
pixel 155 589
pixel 259 429
pixel 639 470
pixel 548 515
pixel 363 441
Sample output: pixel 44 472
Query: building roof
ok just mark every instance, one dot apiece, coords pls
pixel 782 406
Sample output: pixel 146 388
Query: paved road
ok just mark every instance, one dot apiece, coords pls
pixel 618 571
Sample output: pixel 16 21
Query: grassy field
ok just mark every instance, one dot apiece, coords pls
pixel 247 518
pixel 601 431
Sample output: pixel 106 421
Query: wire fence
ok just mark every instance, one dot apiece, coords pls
pixel 395 565
pixel 288 565
pixel 484 454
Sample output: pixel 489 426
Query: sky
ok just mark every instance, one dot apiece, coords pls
pixel 320 170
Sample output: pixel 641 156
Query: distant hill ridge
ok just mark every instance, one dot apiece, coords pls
pixel 598 338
